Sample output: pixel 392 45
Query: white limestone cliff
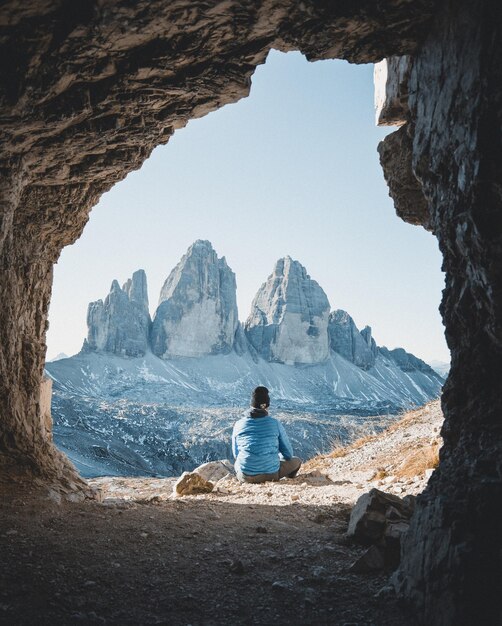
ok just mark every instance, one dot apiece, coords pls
pixel 121 324
pixel 197 312
pixel 288 322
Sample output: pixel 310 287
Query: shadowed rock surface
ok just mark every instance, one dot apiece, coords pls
pixel 344 337
pixel 451 565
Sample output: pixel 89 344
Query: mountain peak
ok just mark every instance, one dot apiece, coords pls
pixel 197 316
pixel 137 289
pixel 120 324
pixel 287 264
pixel 199 256
pixel 202 243
pixel 289 316
pixel 197 312
pixel 200 247
pixel 345 339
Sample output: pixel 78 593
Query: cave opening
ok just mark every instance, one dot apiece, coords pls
pixel 245 178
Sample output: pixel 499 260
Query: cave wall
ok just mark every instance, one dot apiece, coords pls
pixel 93 86
pixel 444 171
pixel 452 558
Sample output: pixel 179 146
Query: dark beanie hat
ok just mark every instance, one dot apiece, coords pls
pixel 260 396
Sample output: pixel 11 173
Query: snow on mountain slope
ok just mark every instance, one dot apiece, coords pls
pixel 227 380
pixel 148 416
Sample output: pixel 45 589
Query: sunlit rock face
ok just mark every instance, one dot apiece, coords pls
pixel 121 323
pixel 289 317
pixel 344 337
pixel 391 77
pixel 197 312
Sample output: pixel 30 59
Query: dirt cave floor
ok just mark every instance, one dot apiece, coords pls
pixel 269 554
pixel 186 561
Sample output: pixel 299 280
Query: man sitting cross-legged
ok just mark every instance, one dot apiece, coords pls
pixel 257 440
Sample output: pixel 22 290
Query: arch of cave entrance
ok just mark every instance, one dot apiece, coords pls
pixel 90 93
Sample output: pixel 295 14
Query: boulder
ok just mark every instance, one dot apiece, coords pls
pixel 381 519
pixel 214 471
pixel 191 483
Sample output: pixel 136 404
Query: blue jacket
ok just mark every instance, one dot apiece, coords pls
pixel 256 443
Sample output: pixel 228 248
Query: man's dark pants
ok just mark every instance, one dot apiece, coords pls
pixel 287 469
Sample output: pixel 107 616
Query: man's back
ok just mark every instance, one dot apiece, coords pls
pixel 256 443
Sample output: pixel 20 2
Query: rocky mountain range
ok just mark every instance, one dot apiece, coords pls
pixel 290 320
pixel 177 382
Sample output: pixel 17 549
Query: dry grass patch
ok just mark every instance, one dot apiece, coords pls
pixel 405 460
pixel 408 417
pixel 362 441
pixel 418 461
pixel 380 474
pixel 358 443
pixel 338 452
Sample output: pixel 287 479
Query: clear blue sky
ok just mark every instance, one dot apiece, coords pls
pixel 293 169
